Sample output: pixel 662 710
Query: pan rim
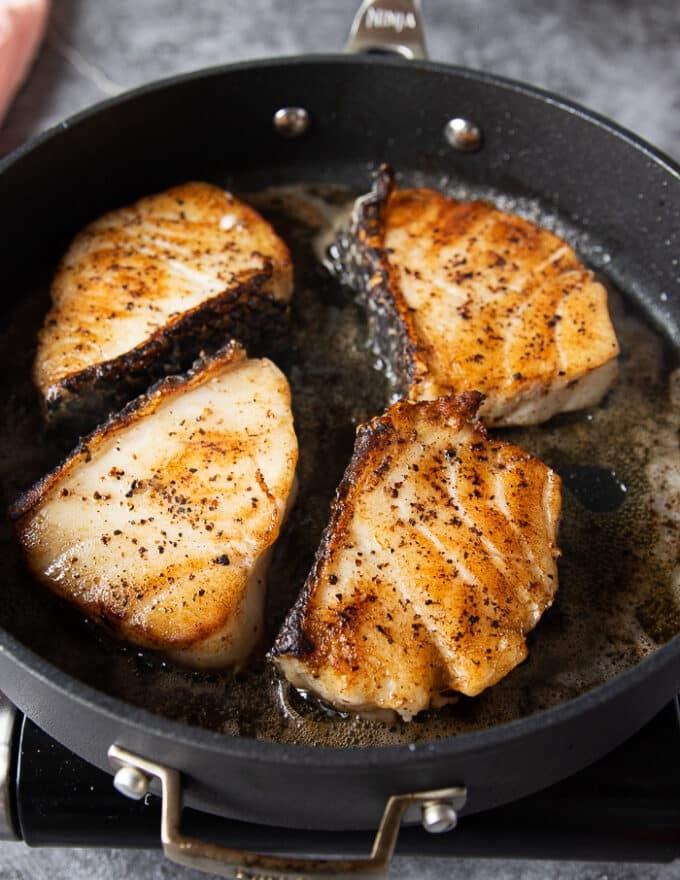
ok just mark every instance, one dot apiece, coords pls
pixel 492 79
pixel 119 712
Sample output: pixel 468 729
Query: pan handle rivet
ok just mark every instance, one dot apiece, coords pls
pixel 291 122
pixel 438 817
pixel 463 135
pixel 131 782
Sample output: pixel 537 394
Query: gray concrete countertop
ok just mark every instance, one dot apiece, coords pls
pixel 619 57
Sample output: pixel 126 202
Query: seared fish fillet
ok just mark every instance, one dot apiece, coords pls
pixel 439 558
pixel 160 523
pixel 462 297
pixel 145 286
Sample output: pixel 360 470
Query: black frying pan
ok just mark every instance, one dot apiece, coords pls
pixel 362 110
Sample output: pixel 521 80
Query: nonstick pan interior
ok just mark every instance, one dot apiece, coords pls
pixel 616 603
pixel 617 205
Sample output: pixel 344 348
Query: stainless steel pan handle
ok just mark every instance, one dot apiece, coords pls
pixel 436 809
pixel 8 720
pixel 394 26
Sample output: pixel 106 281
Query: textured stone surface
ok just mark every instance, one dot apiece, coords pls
pixel 17 862
pixel 618 57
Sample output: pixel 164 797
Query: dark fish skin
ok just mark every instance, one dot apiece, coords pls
pixel 364 265
pixel 246 313
pixel 231 353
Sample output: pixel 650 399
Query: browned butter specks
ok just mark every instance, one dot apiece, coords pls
pixel 620 584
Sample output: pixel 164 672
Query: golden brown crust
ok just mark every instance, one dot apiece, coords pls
pixel 463 296
pixel 371 447
pixel 160 523
pixel 143 289
pixel 438 558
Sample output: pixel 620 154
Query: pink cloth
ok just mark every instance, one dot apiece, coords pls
pixel 22 25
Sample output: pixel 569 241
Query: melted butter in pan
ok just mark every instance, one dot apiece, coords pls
pixel 619 596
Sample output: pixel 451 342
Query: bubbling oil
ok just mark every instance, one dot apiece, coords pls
pixel 619 595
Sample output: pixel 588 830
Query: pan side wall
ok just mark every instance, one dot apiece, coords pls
pixel 273 786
